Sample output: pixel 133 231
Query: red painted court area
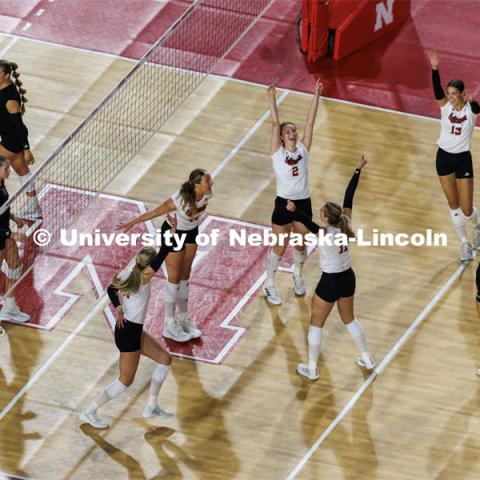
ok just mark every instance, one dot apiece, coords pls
pixel 224 280
pixel 392 73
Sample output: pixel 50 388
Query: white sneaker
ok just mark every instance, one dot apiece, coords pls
pixel 32 210
pixel 156 412
pixel 189 327
pixel 91 417
pixel 272 295
pixel 175 332
pixel 14 314
pixel 467 252
pixel 365 361
pixel 2 331
pixel 302 369
pixel 299 288
pixel 476 237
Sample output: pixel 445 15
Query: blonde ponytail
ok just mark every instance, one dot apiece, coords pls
pixel 132 283
pixel 345 227
pixel 336 218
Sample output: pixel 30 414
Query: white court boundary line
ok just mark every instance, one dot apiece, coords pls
pixel 8 46
pixel 379 369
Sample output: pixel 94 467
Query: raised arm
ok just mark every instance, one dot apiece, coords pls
pixel 440 97
pixel 312 115
pixel 166 207
pixel 352 186
pixel 275 142
pixel 468 97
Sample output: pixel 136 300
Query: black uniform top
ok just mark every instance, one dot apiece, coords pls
pixel 5 216
pixel 11 125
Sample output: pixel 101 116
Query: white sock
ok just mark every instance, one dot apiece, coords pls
pixel 24 179
pixel 182 300
pixel 314 345
pixel 355 329
pixel 273 262
pixel 458 220
pixel 159 375
pixel 9 303
pixel 473 218
pixel 299 260
pixel 170 295
pixel 111 391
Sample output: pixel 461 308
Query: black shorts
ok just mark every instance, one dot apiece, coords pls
pixel 191 237
pixel 458 163
pixel 281 216
pixel 129 337
pixel 4 234
pixel 10 140
pixel 333 286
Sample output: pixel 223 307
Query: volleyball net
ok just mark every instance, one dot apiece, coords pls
pixel 107 139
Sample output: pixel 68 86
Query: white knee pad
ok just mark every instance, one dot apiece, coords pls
pixel 171 292
pixel 12 273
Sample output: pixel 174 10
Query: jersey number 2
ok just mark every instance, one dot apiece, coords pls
pixel 456 130
pixel 295 171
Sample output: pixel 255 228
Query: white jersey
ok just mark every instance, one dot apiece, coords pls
pixel 135 304
pixel 333 258
pixel 185 219
pixel 456 128
pixel 291 171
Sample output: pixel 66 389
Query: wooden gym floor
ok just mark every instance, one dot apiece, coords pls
pixel 252 417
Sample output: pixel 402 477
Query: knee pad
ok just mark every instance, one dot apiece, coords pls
pixel 13 273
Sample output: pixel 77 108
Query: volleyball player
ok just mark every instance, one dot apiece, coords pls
pixel 189 204
pixel 133 287
pixel 337 283
pixel 290 164
pixel 14 134
pixel 454 161
pixel 9 253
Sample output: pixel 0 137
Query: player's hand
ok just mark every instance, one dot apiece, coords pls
pixel 272 92
pixel 18 221
pixel 125 226
pixel 291 206
pixel 28 157
pixel 434 60
pixel 467 96
pixel 318 88
pixel 363 161
pixel 120 317
pixel 172 219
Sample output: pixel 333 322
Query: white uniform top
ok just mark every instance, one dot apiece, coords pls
pixel 185 219
pixel 456 128
pixel 334 259
pixel 135 304
pixel 291 171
